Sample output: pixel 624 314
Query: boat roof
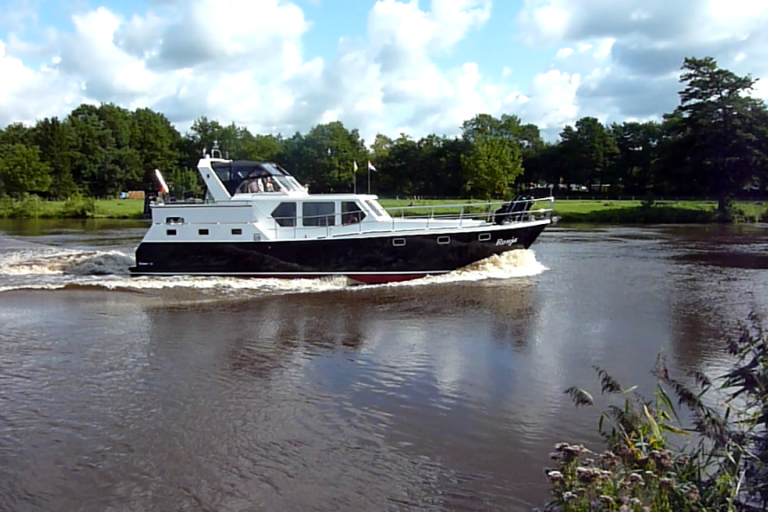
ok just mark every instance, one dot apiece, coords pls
pixel 267 196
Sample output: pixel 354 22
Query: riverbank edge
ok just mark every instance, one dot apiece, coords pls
pixel 568 211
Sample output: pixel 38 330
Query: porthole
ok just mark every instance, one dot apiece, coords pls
pixel 202 231
pixel 442 240
pixel 484 237
pixel 237 231
pixel 398 242
pixel 170 232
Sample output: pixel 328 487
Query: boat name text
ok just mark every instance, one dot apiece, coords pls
pixel 510 241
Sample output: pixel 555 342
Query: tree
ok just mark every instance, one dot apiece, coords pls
pixel 491 165
pixel 54 140
pixel 159 145
pixel 21 171
pixel 722 129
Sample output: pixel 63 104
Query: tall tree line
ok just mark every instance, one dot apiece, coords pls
pixel 715 144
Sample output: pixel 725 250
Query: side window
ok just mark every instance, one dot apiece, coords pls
pixel 351 213
pixel 319 214
pixel 285 214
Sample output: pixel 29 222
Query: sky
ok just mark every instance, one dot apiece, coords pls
pixel 386 66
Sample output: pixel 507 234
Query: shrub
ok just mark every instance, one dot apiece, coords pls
pixel 642 470
pixel 30 207
pixel 79 207
pixel 7 207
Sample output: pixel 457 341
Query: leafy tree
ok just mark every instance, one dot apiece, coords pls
pixel 21 171
pixel 491 165
pixel 54 139
pixel 721 128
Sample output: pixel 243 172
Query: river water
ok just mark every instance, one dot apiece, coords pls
pixel 121 393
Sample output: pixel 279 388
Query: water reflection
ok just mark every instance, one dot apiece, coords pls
pixel 405 376
pixel 717 279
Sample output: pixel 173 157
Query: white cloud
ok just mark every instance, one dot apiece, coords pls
pixel 628 53
pixel 614 61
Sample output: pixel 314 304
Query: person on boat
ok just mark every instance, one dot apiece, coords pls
pixel 255 186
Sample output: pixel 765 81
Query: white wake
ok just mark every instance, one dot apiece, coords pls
pixel 56 268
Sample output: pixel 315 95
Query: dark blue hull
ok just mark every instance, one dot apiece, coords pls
pixel 368 259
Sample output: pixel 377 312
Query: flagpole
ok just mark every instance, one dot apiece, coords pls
pixel 369 179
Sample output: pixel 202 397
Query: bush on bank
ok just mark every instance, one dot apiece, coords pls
pixel 722 467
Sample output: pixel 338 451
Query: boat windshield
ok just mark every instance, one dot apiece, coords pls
pixel 373 205
pixel 289 183
pixel 261 183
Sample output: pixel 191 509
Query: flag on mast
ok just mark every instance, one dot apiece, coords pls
pixel 371 167
pixel 162 187
pixel 355 166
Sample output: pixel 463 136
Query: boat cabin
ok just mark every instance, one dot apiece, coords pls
pixel 244 176
pixel 261 200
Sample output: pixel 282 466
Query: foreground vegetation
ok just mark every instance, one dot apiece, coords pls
pixel 714 144
pixel 581 211
pixel 721 466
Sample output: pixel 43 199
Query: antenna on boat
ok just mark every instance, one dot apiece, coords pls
pixel 215 149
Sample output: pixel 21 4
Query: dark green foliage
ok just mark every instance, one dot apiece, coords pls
pixel 714 144
pixel 722 467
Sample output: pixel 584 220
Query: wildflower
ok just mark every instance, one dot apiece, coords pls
pixel 692 493
pixel 554 456
pixel 665 483
pixel 609 460
pixel 569 496
pixel 663 459
pixel 587 475
pixel 634 480
pixel 555 476
pixel 606 499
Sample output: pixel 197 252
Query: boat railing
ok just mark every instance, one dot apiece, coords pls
pixel 431 217
pixel 519 210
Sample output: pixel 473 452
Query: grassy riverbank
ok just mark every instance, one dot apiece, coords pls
pixel 582 211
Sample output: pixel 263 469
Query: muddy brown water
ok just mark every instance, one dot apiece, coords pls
pixel 443 394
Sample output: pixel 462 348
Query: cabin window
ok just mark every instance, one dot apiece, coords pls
pixel 398 242
pixel 285 214
pixel 170 232
pixel 202 231
pixel 174 220
pixel 237 231
pixel 351 213
pixel 484 237
pixel 319 214
pixel 442 240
